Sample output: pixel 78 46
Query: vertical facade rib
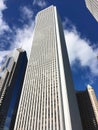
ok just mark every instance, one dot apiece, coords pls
pixel 44 103
pixel 92 6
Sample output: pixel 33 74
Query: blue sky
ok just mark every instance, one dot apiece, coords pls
pixel 80 28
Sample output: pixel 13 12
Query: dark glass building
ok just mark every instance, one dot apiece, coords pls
pixel 11 79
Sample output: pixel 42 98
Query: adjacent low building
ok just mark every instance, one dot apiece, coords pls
pixel 11 79
pixel 88 107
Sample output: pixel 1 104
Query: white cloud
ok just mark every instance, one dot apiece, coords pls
pixel 40 3
pixel 80 49
pixel 24 37
pixel 3 24
pixel 3 27
pixel 26 13
pixel 3 54
pixel 2 5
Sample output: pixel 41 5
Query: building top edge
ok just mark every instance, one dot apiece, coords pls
pixel 49 7
pixel 89 87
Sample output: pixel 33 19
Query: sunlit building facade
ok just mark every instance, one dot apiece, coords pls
pixel 92 6
pixel 48 100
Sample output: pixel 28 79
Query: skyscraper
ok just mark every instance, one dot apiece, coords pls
pixel 88 106
pixel 11 79
pixel 92 6
pixel 48 99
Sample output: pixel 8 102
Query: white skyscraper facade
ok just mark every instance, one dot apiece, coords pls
pixel 92 6
pixel 48 99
